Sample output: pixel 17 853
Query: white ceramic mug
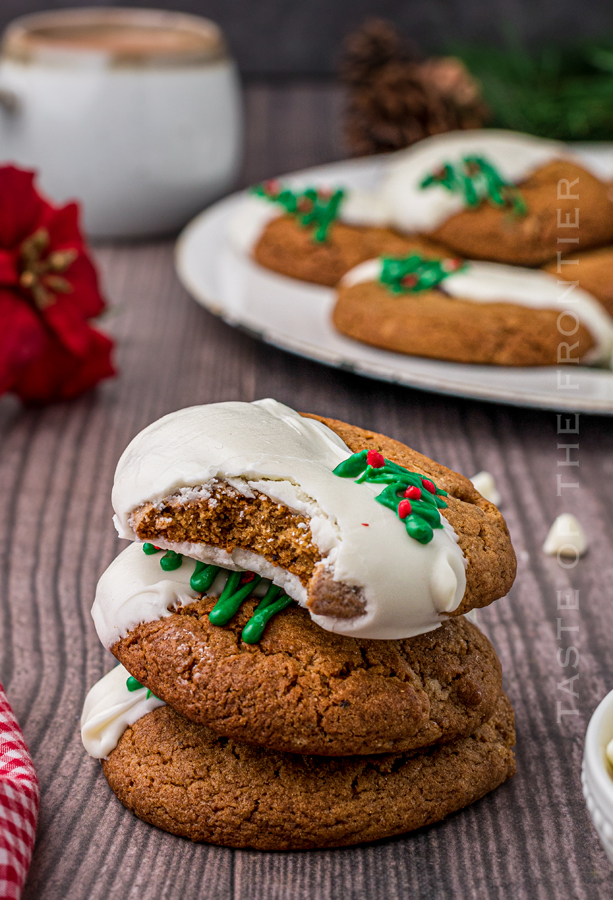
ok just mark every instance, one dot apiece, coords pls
pixel 136 113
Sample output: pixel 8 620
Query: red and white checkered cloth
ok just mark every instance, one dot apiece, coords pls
pixel 19 797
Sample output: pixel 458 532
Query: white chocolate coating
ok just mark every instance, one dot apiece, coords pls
pixel 487 282
pixel 267 447
pixel 135 589
pixel 403 204
pixel 109 709
pixel 485 484
pixel 566 537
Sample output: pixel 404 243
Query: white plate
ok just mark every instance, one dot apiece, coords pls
pixel 295 315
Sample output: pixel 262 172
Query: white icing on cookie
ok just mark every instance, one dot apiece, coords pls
pixel 249 221
pixel 403 204
pixel 268 447
pixel 566 537
pixel 485 484
pixel 135 589
pixel 109 709
pixel 487 282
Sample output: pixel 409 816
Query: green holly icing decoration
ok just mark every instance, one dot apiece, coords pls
pixel 151 549
pixel 313 207
pixel 171 561
pixel 410 274
pixel 416 500
pixel 476 180
pixel 203 577
pixel 238 588
pixel 133 685
pixel 272 603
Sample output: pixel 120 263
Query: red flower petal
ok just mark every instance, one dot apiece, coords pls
pixel 48 350
pixel 59 375
pixel 21 207
pixel 9 276
pixel 63 227
pixel 22 337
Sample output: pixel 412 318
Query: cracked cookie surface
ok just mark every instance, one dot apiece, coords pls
pixel 305 690
pixel 185 779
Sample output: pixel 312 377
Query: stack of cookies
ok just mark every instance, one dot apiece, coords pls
pixel 299 667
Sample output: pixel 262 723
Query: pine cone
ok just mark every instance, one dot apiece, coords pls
pixel 395 100
pixel 369 49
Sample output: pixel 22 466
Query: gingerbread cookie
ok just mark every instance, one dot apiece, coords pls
pixel 592 272
pixel 185 779
pixel 470 312
pixel 301 689
pixel 491 195
pixel 287 247
pixel 373 538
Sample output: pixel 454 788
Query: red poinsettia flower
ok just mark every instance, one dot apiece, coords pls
pixel 48 294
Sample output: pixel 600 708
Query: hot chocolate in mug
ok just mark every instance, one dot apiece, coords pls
pixel 136 113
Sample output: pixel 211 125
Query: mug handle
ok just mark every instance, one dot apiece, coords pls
pixel 9 101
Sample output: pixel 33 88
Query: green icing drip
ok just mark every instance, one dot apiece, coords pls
pixel 171 561
pixel 150 549
pixel 313 208
pixel 232 598
pixel 263 613
pixel 203 577
pixel 424 514
pixel 410 274
pixel 230 601
pixel 476 180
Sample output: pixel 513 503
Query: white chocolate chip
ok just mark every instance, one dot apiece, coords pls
pixel 566 537
pixel 485 484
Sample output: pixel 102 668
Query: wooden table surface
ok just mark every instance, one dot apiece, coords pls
pixel 529 839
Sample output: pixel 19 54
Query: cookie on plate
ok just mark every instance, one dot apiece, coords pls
pixel 591 271
pixel 186 779
pixel 492 195
pixel 471 312
pixel 287 247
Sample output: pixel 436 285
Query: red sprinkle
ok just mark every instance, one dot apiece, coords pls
pixel 453 264
pixel 375 459
pixel 412 493
pixel 409 280
pixel 272 186
pixel 246 577
pixel 429 486
pixel 404 509
pixel 365 524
